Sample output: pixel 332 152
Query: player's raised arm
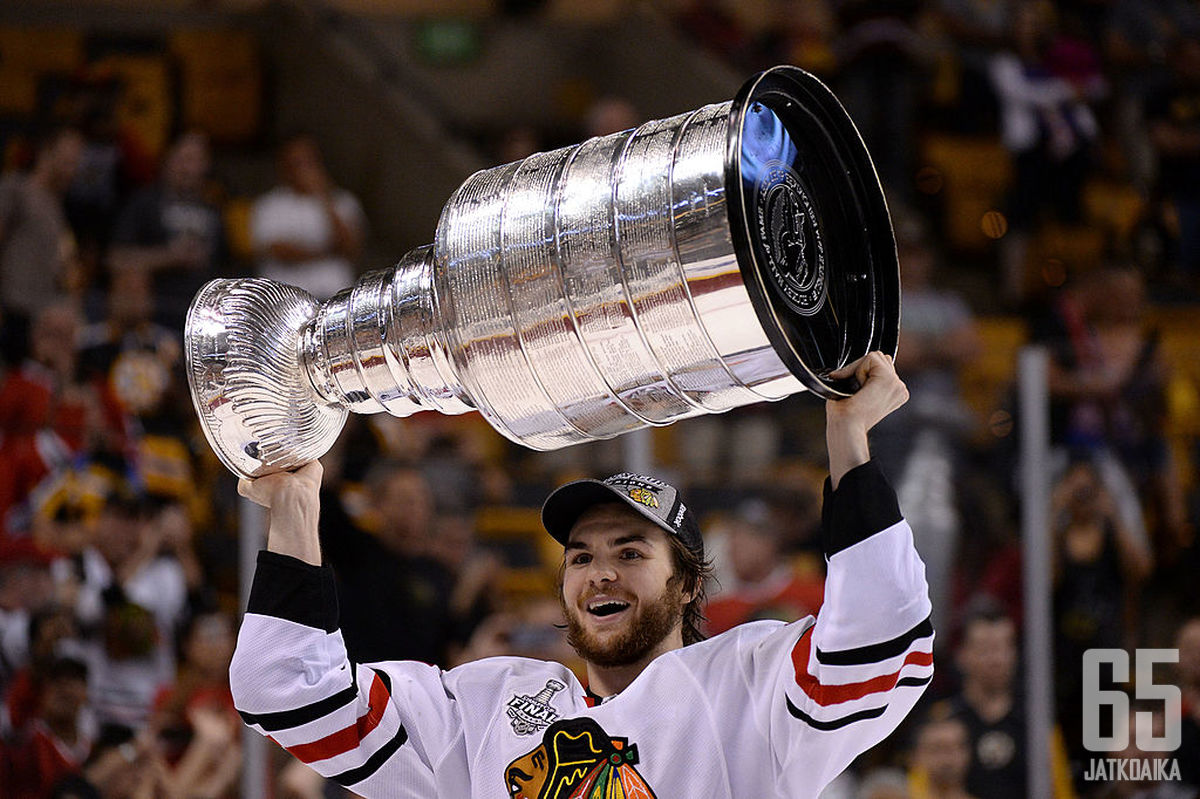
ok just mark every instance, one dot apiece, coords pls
pixel 377 729
pixel 831 690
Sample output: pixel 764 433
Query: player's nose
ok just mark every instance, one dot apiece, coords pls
pixel 600 571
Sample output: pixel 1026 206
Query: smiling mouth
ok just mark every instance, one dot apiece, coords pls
pixel 607 607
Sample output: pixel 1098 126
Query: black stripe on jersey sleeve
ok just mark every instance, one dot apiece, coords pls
pixel 876 652
pixel 286 719
pixel 360 773
pixel 914 682
pixel 835 724
pixel 290 589
pixel 864 504
pixel 384 678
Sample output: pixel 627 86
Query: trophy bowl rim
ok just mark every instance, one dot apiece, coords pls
pixel 194 390
pixel 806 89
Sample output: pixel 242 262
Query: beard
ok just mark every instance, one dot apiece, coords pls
pixel 649 625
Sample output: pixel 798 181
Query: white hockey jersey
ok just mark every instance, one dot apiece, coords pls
pixel 765 710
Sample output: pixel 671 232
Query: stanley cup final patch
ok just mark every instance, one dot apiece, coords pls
pixel 530 714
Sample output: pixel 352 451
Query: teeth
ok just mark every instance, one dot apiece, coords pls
pixel 607 607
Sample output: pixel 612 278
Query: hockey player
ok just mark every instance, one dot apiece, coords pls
pixel 766 709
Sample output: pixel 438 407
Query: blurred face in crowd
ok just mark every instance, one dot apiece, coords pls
pixel 62 700
pixel 1120 298
pixel 60 160
pixel 405 507
pixel 988 654
pixel 301 167
pixel 1083 498
pixel 621 597
pixel 52 339
pixel 210 644
pixel 52 630
pixel 611 115
pixel 24 585
pixel 943 751
pixel 118 533
pixel 187 164
pixel 129 297
pixel 452 540
pixel 753 549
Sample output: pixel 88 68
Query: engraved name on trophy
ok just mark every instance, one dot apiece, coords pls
pixel 730 255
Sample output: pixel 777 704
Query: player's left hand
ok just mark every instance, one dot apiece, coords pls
pixel 881 392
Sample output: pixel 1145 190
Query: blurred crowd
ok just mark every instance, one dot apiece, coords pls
pixel 118 527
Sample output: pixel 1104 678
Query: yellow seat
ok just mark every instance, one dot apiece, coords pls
pixel 974 173
pixel 987 379
pixel 221 82
pixel 28 54
pixel 237 227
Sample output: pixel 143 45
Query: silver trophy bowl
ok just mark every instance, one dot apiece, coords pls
pixel 737 253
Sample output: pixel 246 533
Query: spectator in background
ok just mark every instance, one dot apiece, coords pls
pixel 879 54
pixel 1098 565
pixel 1173 116
pixel 306 231
pixel 136 360
pixel 989 705
pixel 53 635
pixel 941 758
pixel 1044 84
pixel 1137 38
pixel 979 29
pixel 57 742
pixel 1108 383
pixel 131 594
pixel 398 604
pixel 24 588
pixel 37 251
pixel 1187 641
pixel 194 719
pixel 48 419
pixel 114 163
pixel 172 232
pixel 758 582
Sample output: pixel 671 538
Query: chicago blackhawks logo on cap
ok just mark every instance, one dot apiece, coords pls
pixel 577 759
pixel 643 496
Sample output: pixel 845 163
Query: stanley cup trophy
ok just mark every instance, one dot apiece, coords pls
pixel 737 253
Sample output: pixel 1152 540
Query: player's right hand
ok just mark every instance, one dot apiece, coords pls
pixel 284 488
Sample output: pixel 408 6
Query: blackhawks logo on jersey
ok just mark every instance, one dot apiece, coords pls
pixel 577 759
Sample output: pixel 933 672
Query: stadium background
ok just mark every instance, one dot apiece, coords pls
pixel 1080 237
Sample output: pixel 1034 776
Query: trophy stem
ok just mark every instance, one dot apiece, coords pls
pixel 378 345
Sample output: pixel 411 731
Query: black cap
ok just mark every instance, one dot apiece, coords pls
pixel 652 498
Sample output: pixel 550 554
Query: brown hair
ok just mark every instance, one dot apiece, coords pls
pixel 694 570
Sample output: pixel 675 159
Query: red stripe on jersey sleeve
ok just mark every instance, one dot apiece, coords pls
pixel 826 695
pixel 348 738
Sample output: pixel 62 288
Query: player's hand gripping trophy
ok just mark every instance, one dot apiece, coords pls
pixel 737 253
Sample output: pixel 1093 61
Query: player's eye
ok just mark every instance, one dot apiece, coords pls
pixel 580 558
pixel 630 554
